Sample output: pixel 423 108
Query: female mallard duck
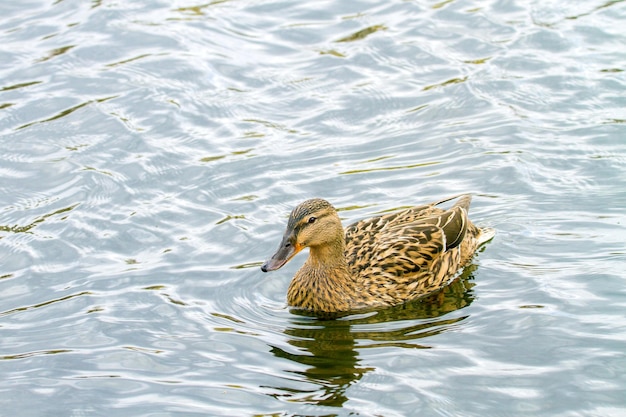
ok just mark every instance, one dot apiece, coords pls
pixel 378 262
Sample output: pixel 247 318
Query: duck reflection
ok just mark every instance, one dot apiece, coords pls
pixel 330 348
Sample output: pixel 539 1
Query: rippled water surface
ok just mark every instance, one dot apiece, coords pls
pixel 151 152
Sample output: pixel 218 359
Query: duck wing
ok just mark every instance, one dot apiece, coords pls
pixel 405 242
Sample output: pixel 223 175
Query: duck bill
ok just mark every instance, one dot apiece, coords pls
pixel 285 252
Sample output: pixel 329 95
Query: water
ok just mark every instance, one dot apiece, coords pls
pixel 152 151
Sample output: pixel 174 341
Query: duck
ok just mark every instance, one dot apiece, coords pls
pixel 378 262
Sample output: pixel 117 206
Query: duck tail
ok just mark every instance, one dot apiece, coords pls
pixel 485 235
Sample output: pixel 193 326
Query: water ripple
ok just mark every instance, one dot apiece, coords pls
pixel 152 152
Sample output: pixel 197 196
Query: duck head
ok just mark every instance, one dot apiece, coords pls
pixel 313 223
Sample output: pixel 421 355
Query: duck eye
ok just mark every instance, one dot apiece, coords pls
pixel 312 219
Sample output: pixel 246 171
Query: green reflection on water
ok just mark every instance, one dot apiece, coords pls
pixel 362 34
pixel 28 227
pixel 330 349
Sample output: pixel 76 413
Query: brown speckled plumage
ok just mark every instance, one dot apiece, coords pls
pixel 378 262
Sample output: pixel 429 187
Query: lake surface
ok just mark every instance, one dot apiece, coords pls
pixel 151 153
